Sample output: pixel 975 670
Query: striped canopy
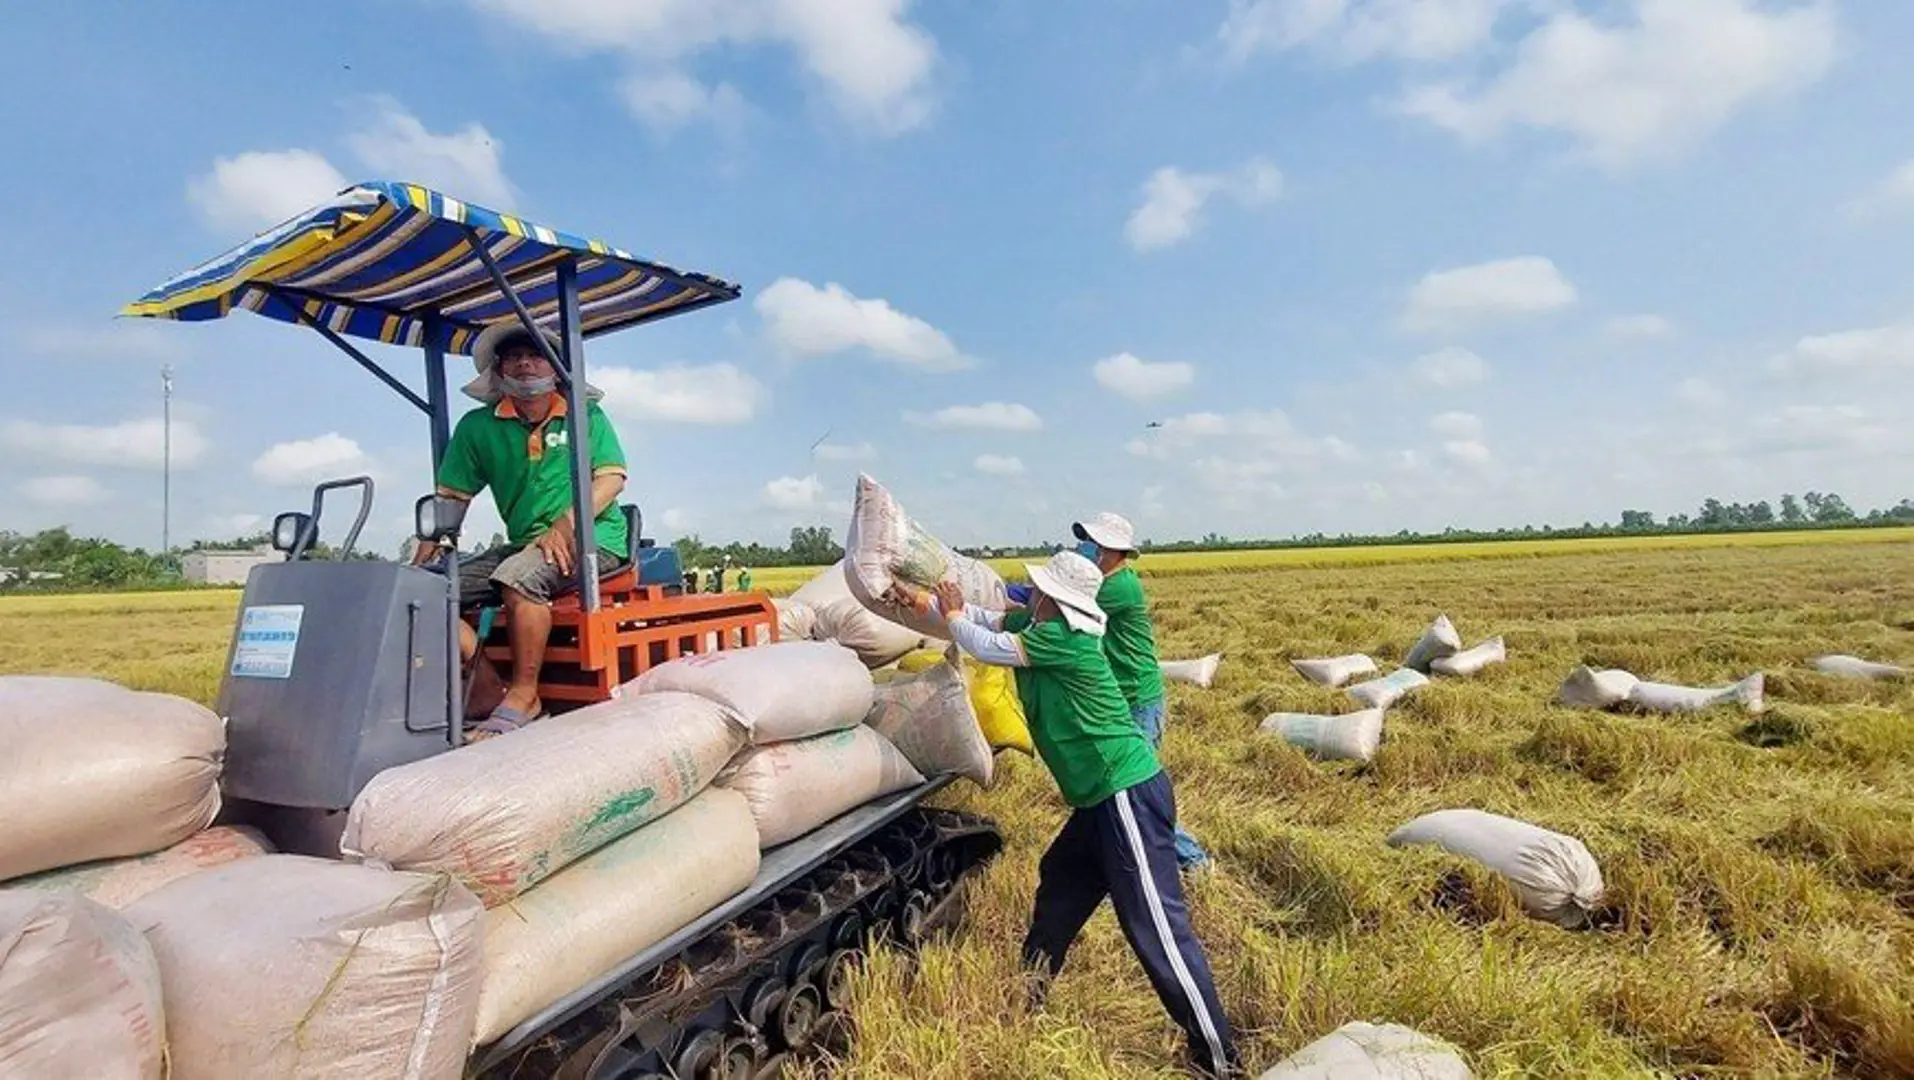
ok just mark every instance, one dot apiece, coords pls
pixel 382 257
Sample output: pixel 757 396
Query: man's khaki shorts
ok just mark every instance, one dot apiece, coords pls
pixel 523 570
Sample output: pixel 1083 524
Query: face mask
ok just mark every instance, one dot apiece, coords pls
pixel 1089 550
pixel 527 388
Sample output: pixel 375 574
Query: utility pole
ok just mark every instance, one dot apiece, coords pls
pixel 166 460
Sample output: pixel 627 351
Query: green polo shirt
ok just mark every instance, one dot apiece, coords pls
pixel 529 469
pixel 1128 640
pixel 1077 716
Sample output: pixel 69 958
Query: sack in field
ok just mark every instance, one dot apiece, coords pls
pixel 1749 693
pixel 619 900
pixel 1438 641
pixel 79 991
pixel 1386 691
pixel 993 696
pixel 1350 737
pixel 1586 688
pixel 1334 670
pixel 876 641
pixel 796 619
pixel 1199 672
pixel 290 966
pixel 1853 667
pixel 502 814
pixel 928 717
pixel 1359 1051
pixel 885 546
pixel 94 771
pixel 790 690
pixel 1471 661
pixel 1553 875
pixel 118 882
pixel 794 787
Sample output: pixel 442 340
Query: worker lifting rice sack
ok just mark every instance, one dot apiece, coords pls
pixel 119 882
pixel 790 690
pixel 1471 661
pixel 80 992
pixel 291 966
pixel 1438 641
pixel 95 771
pixel 794 787
pixel 1351 737
pixel 1198 672
pixel 1391 688
pixel 1553 875
pixel 885 546
pixel 876 640
pixel 927 715
pixel 614 903
pixel 1334 670
pixel 1360 1051
pixel 502 814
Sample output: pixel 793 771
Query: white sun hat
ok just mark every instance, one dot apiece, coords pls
pixel 1072 581
pixel 485 359
pixel 1112 532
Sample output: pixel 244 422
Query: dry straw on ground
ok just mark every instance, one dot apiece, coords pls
pixel 1760 918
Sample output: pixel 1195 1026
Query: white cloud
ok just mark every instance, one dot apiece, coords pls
pixel 1467 451
pixel 1459 297
pixel 1893 194
pixel 65 490
pixel 1456 425
pixel 1878 349
pixel 667 101
pixel 1451 367
pixel 873 64
pixel 845 452
pixel 1240 478
pixel 135 444
pixel 1259 443
pixel 808 321
pixel 999 465
pixel 119 339
pixel 1142 380
pixel 1173 200
pixel 304 462
pixel 1355 30
pixel 467 163
pixel 261 188
pixel 712 394
pixel 794 493
pixel 677 519
pixel 226 526
pixel 1638 326
pixel 990 416
pixel 1675 72
pixel 1698 393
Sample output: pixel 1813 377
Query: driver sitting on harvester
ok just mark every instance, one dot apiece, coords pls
pixel 518 446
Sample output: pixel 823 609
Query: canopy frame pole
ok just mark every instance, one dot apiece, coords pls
pixel 441 416
pixel 518 305
pixel 344 346
pixel 571 342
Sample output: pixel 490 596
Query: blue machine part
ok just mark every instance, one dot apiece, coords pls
pixel 660 566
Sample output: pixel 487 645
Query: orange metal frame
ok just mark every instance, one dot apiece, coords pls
pixel 636 628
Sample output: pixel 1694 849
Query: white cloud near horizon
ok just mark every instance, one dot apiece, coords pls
pixel 65 490
pixel 134 444
pixel 989 416
pixel 793 492
pixel 683 394
pixel 305 462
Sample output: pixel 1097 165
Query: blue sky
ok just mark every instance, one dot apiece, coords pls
pixel 1373 264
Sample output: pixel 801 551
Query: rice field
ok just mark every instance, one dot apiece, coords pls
pixel 1760 912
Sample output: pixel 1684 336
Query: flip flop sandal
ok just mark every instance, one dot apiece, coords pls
pixel 503 720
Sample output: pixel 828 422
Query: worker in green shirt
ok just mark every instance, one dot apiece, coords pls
pixel 744 579
pixel 1118 840
pixel 519 445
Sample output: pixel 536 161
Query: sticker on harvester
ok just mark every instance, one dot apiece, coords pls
pixel 267 637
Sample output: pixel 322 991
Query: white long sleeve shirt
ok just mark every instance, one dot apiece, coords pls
pixel 979 632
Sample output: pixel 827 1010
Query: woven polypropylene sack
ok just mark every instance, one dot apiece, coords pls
pixel 1587 688
pixel 876 640
pixel 610 905
pixel 1350 737
pixel 1334 670
pixel 288 966
pixel 790 690
pixel 794 787
pixel 1198 672
pixel 885 546
pixel 796 619
pixel 118 882
pixel 80 992
pixel 1438 641
pixel 502 814
pixel 1553 875
pixel 1361 1051
pixel 993 696
pixel 92 771
pixel 1749 693
pixel 1386 691
pixel 828 586
pixel 927 715
pixel 1853 667
pixel 1471 661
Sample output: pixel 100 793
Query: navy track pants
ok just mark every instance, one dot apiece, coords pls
pixel 1124 848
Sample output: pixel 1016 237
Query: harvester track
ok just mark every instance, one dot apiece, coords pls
pixel 769 983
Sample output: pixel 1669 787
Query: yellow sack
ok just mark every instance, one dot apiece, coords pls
pixel 993 695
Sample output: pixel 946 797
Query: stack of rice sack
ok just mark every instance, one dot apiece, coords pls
pixel 565 847
pixel 824 610
pixel 800 706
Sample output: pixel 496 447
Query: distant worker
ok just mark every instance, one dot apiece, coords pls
pixel 714 581
pixel 519 447
pixel 691 579
pixel 1119 839
pixel 744 579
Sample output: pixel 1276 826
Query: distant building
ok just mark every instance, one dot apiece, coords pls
pixel 225 567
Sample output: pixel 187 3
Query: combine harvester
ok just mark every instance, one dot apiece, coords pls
pixel 377 682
